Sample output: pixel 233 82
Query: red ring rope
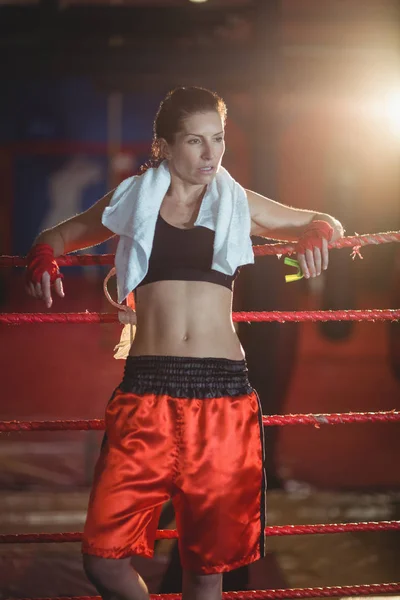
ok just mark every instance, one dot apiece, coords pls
pixel 302 419
pixel 169 534
pixel 346 242
pixel 270 249
pixel 373 315
pixel 345 590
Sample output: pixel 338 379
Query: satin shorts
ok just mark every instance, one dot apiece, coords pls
pixel 189 429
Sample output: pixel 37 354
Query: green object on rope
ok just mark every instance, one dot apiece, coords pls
pixel 292 262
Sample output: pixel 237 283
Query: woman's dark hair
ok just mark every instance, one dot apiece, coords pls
pixel 179 104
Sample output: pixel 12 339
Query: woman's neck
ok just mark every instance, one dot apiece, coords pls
pixel 182 193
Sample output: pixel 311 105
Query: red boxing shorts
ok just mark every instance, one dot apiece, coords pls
pixel 189 429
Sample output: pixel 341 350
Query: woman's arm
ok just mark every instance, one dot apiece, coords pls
pixel 81 231
pixel 277 221
pixel 280 222
pixel 78 232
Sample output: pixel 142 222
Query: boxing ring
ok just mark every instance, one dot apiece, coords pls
pixel 315 420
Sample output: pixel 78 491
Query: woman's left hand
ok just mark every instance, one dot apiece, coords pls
pixel 314 261
pixel 312 247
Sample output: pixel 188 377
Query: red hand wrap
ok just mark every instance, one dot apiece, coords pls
pixel 39 260
pixel 313 235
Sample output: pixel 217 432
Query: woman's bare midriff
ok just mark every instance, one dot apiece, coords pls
pixel 185 318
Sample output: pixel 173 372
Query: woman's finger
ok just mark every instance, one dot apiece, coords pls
pixel 38 290
pixel 310 262
pixel 59 287
pixel 29 289
pixel 301 259
pixel 46 289
pixel 317 260
pixel 325 254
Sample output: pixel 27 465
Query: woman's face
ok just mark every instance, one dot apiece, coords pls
pixel 196 154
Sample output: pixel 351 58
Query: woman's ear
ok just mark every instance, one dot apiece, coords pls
pixel 164 148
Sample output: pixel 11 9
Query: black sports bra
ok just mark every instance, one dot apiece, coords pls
pixel 184 255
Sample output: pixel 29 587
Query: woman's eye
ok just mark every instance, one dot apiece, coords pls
pixel 219 139
pixel 194 141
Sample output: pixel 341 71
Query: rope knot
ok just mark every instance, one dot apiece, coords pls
pixel 356 252
pixel 127 316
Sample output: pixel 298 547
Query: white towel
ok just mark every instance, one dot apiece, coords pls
pixel 134 209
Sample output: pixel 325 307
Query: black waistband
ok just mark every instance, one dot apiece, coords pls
pixel 185 377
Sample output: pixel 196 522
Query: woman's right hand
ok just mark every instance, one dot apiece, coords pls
pixel 42 273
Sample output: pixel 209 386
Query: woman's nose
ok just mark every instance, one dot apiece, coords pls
pixel 207 152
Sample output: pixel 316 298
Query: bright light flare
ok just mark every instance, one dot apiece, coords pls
pixel 391 109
